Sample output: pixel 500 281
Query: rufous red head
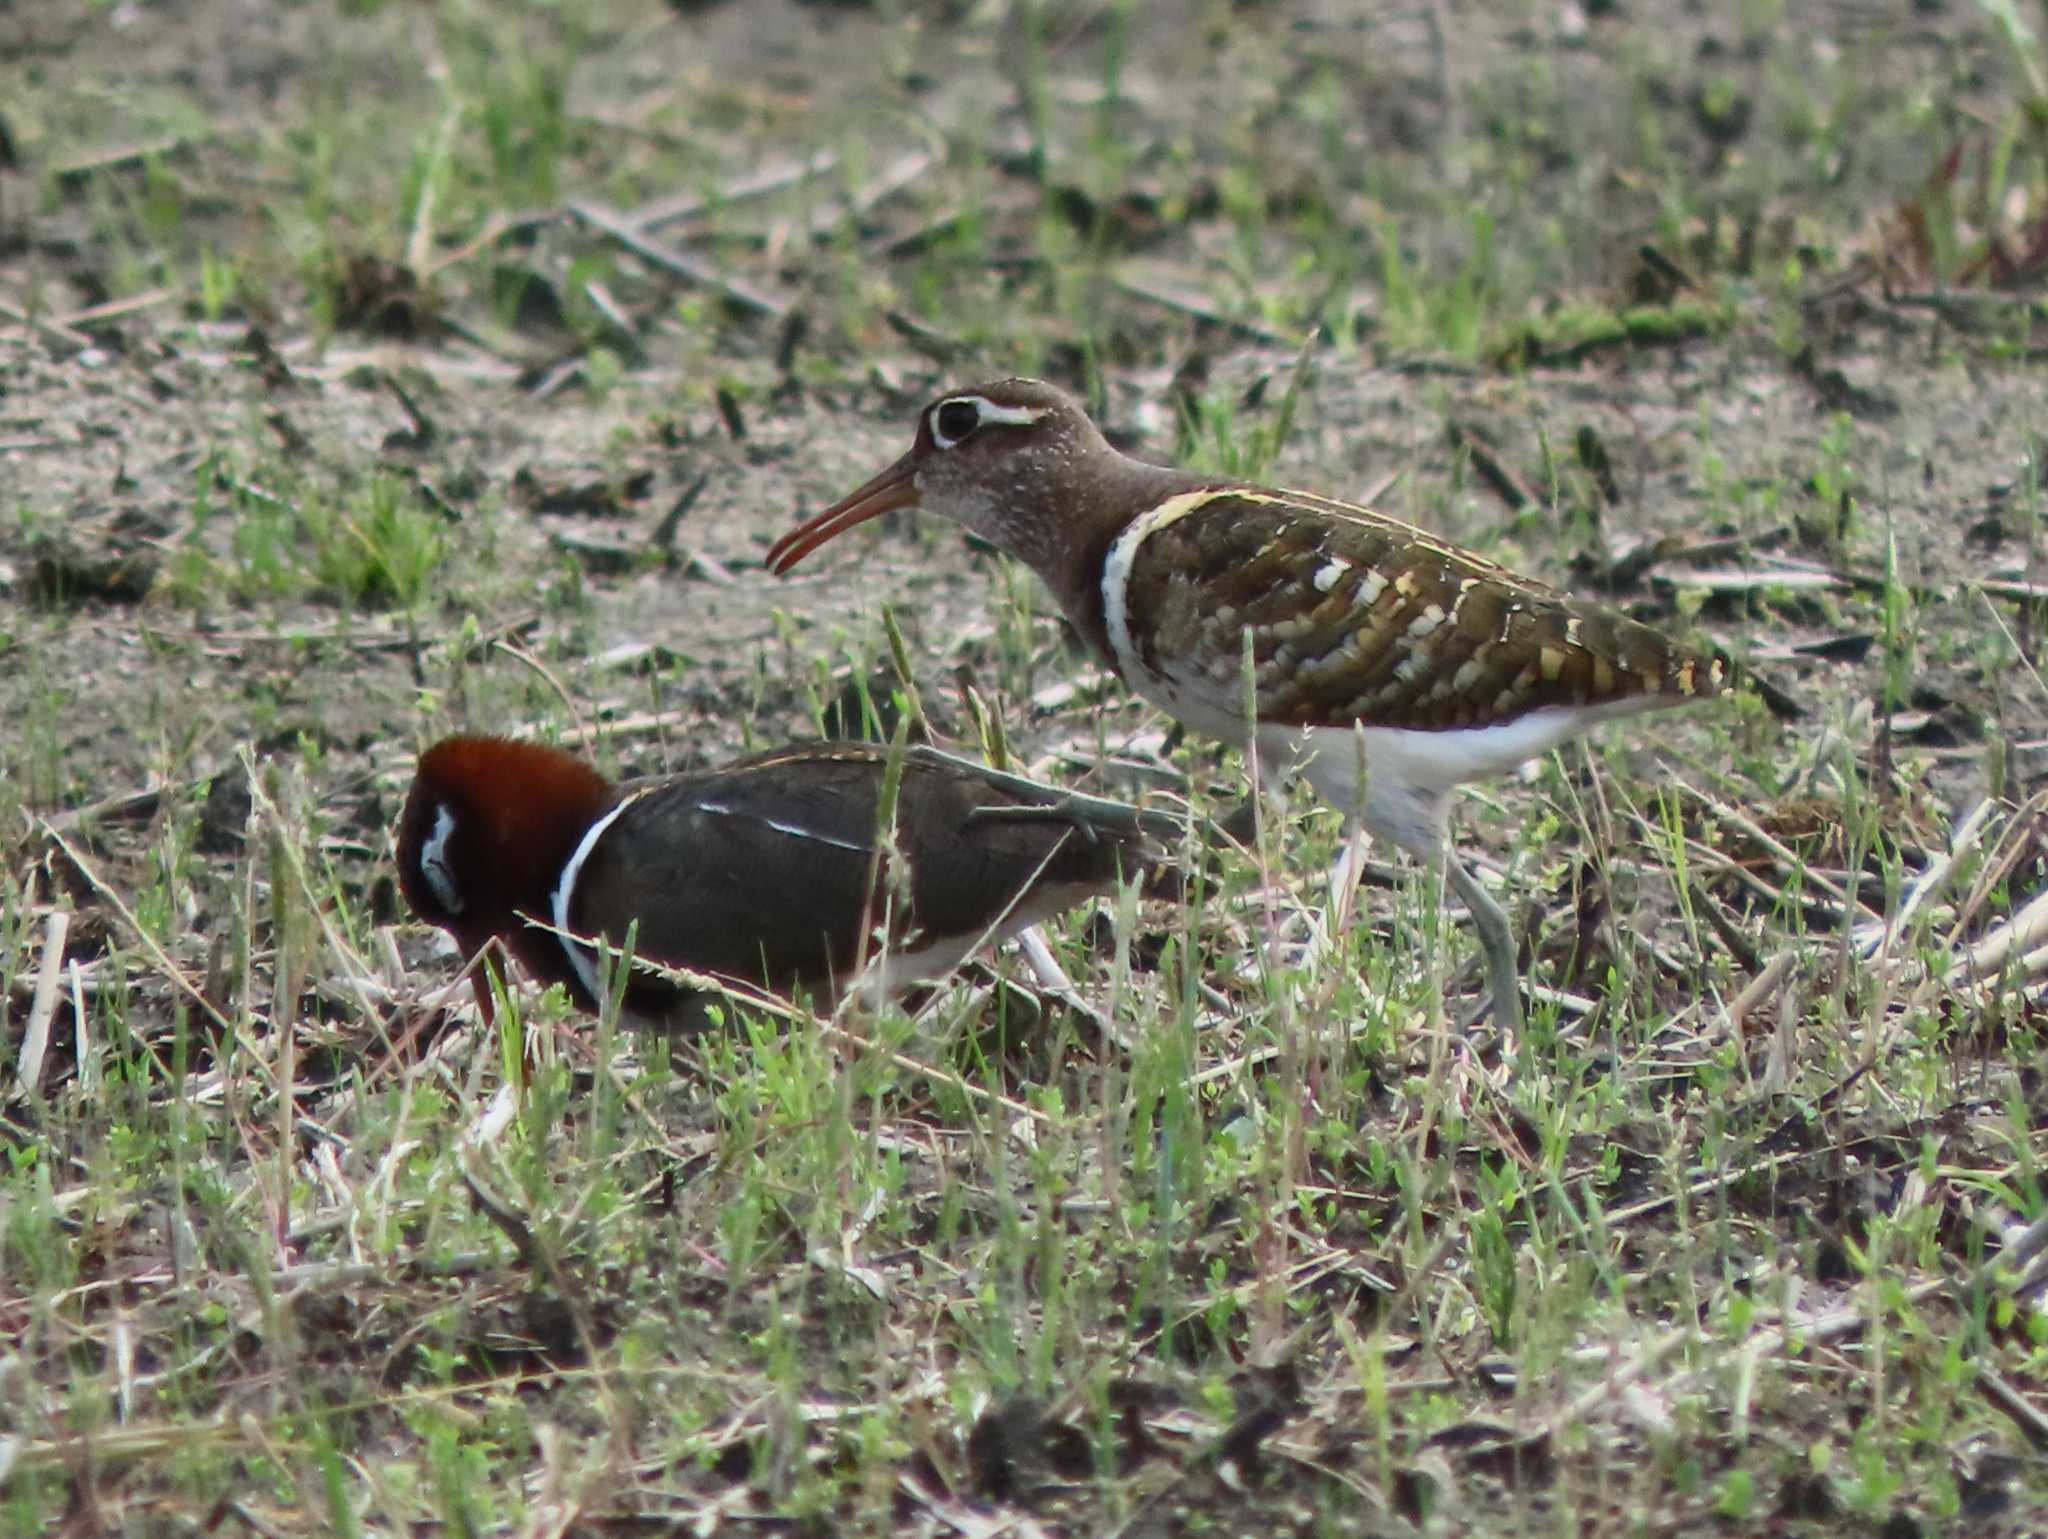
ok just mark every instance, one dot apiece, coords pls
pixel 488 826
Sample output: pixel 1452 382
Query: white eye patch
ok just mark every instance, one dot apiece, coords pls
pixel 957 417
pixel 434 862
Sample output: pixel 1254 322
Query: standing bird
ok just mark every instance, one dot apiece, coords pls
pixel 1386 665
pixel 773 872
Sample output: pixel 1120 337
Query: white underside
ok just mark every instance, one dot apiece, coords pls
pixel 894 971
pixel 1400 788
pixel 1406 775
pixel 1393 779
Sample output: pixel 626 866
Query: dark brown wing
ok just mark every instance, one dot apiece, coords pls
pixel 976 840
pixel 1355 617
pixel 764 870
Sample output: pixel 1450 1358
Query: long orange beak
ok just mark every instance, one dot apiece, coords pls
pixel 894 488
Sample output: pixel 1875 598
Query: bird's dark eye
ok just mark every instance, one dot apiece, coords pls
pixel 954 420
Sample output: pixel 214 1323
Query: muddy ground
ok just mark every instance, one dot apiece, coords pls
pixel 300 469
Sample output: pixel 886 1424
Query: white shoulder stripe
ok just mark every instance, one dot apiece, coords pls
pixel 580 957
pixel 1123 555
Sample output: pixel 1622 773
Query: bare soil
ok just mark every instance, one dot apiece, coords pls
pixel 1841 468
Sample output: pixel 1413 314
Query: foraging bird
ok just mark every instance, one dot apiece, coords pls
pixel 775 871
pixel 1383 663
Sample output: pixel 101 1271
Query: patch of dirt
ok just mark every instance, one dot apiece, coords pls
pixel 1835 482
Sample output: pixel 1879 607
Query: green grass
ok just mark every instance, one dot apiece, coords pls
pixel 290 1243
pixel 275 532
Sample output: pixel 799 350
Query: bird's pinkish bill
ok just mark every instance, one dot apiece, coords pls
pixel 894 488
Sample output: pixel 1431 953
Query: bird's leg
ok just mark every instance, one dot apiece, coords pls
pixel 1263 814
pixel 1053 980
pixel 1345 872
pixel 1266 800
pixel 1045 967
pixel 1240 824
pixel 1496 940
